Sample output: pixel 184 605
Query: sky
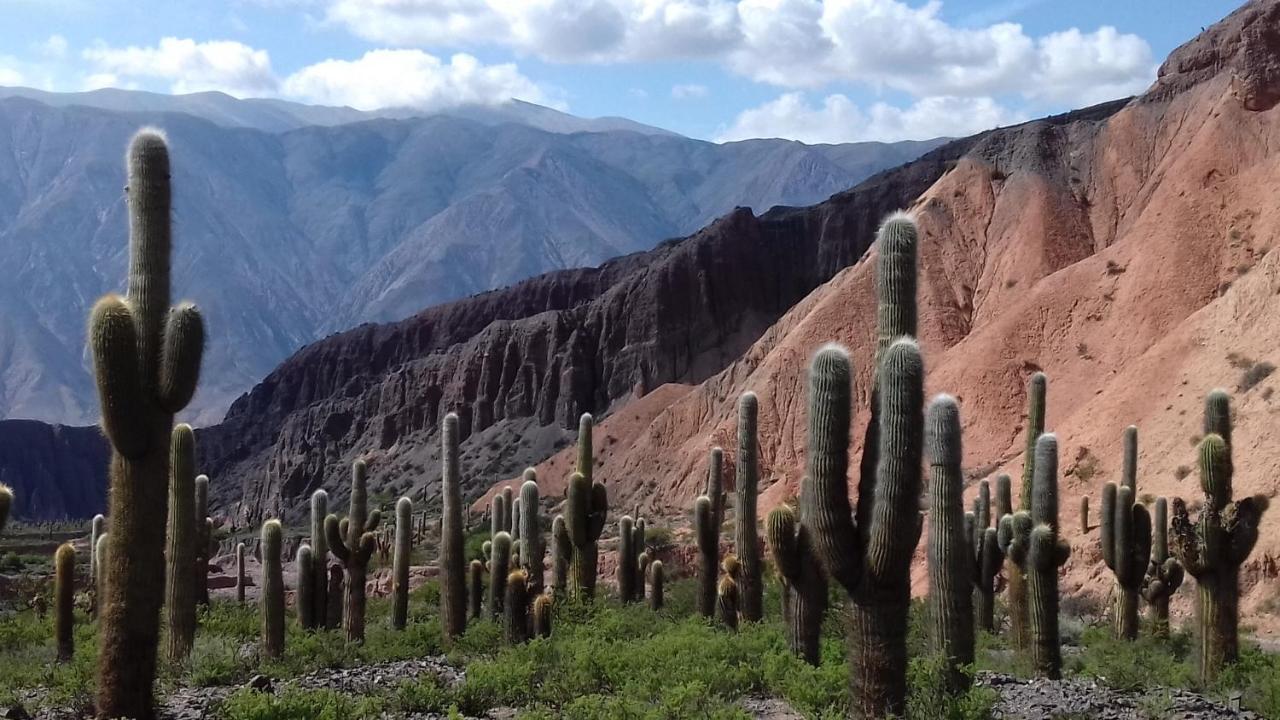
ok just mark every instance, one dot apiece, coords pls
pixel 722 70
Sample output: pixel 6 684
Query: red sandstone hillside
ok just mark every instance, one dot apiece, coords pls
pixel 1129 258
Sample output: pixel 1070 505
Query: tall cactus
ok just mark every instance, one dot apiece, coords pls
pixel 950 568
pixel 272 590
pixel 319 558
pixel 540 616
pixel 1164 574
pixel 240 577
pixel 727 602
pixel 352 541
pixel 203 539
pixel 508 510
pixel 6 504
pixel 1032 542
pixel 64 593
pixel 497 514
pixel 475 584
pixel 715 487
pixel 146 359
pixel 531 549
pixel 657 582
pixel 561 553
pixel 804 587
pixel 305 567
pixel 1126 540
pixel 1213 547
pixel 180 555
pixel 453 598
pixel 400 566
pixel 704 530
pixel 1016 593
pixel 499 569
pixel 746 540
pixel 586 509
pixel 626 571
pixel 515 609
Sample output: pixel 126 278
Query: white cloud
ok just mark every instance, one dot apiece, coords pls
pixel 410 78
pixel 97 81
pixel 226 65
pixel 838 119
pixel 689 92
pixel 788 43
pixel 55 46
pixel 9 76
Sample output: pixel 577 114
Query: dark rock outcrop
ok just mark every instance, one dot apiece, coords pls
pixel 1246 43
pixel 55 471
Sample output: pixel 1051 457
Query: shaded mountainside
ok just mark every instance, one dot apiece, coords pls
pixel 285 237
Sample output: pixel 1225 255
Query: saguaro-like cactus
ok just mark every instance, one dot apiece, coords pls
pixel 586 509
pixel 1126 540
pixel 704 530
pixel 352 541
pixel 305 567
pixel 746 540
pixel 627 560
pixel 180 555
pixel 146 359
pixel 453 599
pixel 475 605
pixel 1031 541
pixel 541 616
pixel 203 539
pixel 950 592
pixel 319 558
pixel 6 504
pixel 657 582
pixel 240 577
pixel 515 609
pixel 64 593
pixel 272 590
pixel 715 487
pixel 499 569
pixel 1016 595
pixel 1164 574
pixel 642 574
pixel 727 602
pixel 530 546
pixel 804 587
pixel 1213 547
pixel 561 553
pixel 400 567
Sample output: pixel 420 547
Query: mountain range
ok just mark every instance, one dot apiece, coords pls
pixel 293 222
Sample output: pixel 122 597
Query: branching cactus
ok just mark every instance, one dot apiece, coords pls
pixel 453 599
pixel 746 540
pixel 804 587
pixel 541 616
pixel 400 566
pixel 704 531
pixel 146 360
pixel 475 595
pixel 715 486
pixel 586 509
pixel 986 554
pixel 180 554
pixel 499 569
pixel 240 577
pixel 1032 542
pixel 727 603
pixel 352 541
pixel 305 567
pixel 657 582
pixel 561 553
pixel 1126 540
pixel 627 561
pixel 1217 542
pixel 272 590
pixel 515 609
pixel 950 570
pixel 320 559
pixel 1016 595
pixel 532 553
pixel 203 539
pixel 1164 574
pixel 64 594
pixel 6 505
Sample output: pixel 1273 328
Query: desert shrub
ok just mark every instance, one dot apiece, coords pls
pixel 216 660
pixel 1256 677
pixel 1254 374
pixel 928 698
pixel 1133 665
pixel 296 704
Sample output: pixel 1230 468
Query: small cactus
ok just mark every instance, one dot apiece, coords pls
pixel 1164 574
pixel 320 559
pixel 305 566
pixel 804 587
pixel 352 541
pixel 240 577
pixel 515 609
pixel 656 583
pixel 626 572
pixel 727 602
pixel 475 605
pixel 1126 540
pixel 64 593
pixel 541 616
pixel 950 593
pixel 746 540
pixel 586 510
pixel 561 553
pixel 708 554
pixel 400 565
pixel 272 584
pixel 499 569
pixel 181 552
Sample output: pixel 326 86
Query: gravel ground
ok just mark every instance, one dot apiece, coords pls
pixel 1039 699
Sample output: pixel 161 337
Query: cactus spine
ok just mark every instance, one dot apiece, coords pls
pixel 746 541
pixel 203 539
pixel 1164 574
pixel 950 593
pixel 272 596
pixel 515 609
pixel 352 542
pixel 146 359
pixel 561 552
pixel 804 587
pixel 320 559
pixel 708 553
pixel 586 509
pixel 530 545
pixel 541 616
pixel 499 569
pixel 180 556
pixel 1126 537
pixel 727 602
pixel 240 578
pixel 657 581
pixel 400 566
pixel 453 599
pixel 64 593
pixel 305 565
pixel 1213 547
pixel 475 604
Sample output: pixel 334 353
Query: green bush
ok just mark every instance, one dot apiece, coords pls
pixel 295 704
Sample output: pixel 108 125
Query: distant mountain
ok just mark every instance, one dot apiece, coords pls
pixel 294 222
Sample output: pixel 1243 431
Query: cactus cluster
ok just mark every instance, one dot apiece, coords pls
pixel 746 539
pixel 453 599
pixel 146 362
pixel 1126 539
pixel 950 546
pixel 1016 592
pixel 985 552
pixel 586 510
pixel 1213 546
pixel 1164 574
pixel 352 542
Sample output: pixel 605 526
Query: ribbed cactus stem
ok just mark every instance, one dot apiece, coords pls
pixel 642 575
pixel 1217 415
pixel 561 552
pixel 100 551
pixel 1016 595
pixel 508 510
pixel 586 452
pixel 353 542
pixel 987 560
pixel 96 528
pixel 586 509
pixel 146 361
pixel 497 512
pixel 203 539
pixel 1004 499
pixel 1045 553
pixel 515 522
pixel 319 559
pixel 896 243
pixel 305 566
pixel 746 541
pixel 499 569
pixel 180 552
pixel 1164 574
pixel 272 584
pixel 704 531
pixel 515 609
pixel 657 582
pixel 626 572
pixel 475 584
pixel 715 486
pixel 1129 465
pixel 727 602
pixel 240 576
pixel 64 594
pixel 950 593
pixel 540 616
pixel 453 598
pixel 400 566
pixel 825 497
pixel 530 545
pixel 1126 530
pixel 333 603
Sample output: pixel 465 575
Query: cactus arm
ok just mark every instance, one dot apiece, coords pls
pixel 1107 533
pixel 368 546
pixel 375 518
pixel 826 495
pixel 113 340
pixel 896 521
pixel 1240 521
pixel 780 535
pixel 334 535
pixel 180 361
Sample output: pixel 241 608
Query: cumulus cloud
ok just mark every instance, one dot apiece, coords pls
pixel 55 46
pixel 689 92
pixel 800 44
pixel 189 66
pixel 409 78
pixel 9 76
pixel 838 119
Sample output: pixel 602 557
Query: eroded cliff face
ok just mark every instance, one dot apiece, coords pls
pixel 56 471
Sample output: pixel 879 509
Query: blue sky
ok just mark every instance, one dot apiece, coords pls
pixel 812 70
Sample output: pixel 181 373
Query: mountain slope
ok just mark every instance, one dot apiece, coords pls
pixel 284 237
